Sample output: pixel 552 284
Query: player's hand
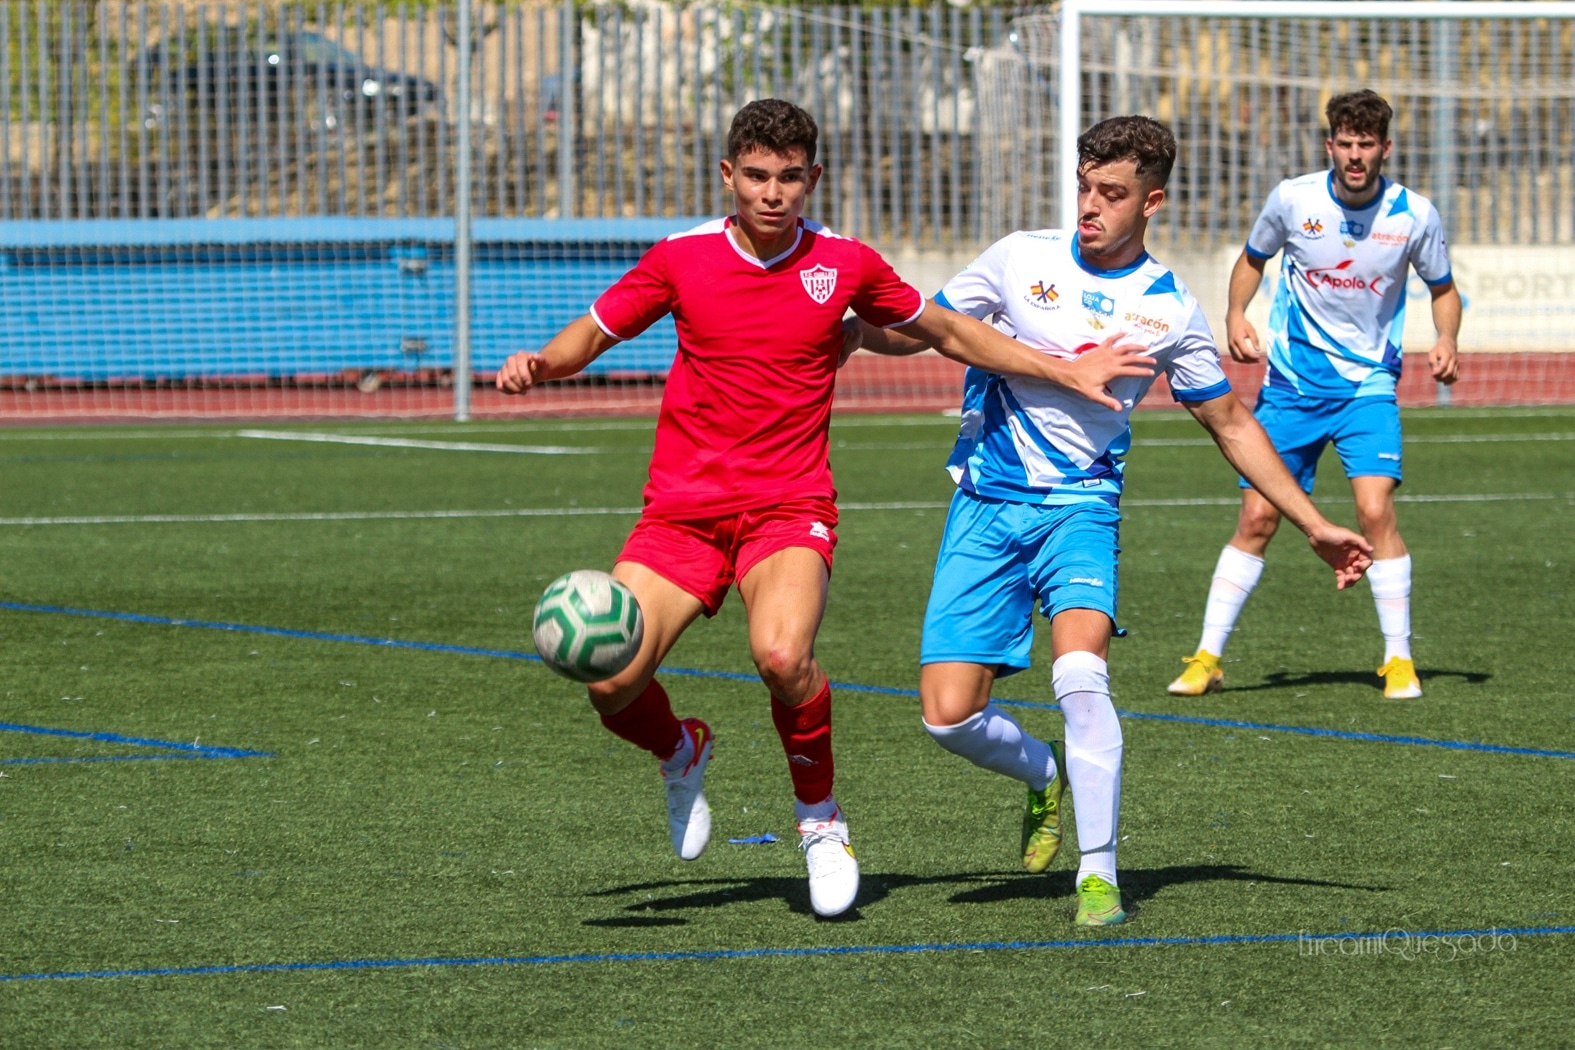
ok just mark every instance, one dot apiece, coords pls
pixel 519 373
pixel 852 339
pixel 1346 552
pixel 1093 371
pixel 1445 361
pixel 1242 340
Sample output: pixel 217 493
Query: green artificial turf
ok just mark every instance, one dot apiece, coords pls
pixel 433 805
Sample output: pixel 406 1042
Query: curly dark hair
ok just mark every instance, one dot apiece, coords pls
pixel 1143 140
pixel 772 125
pixel 1359 112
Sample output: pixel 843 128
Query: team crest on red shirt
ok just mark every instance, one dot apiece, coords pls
pixel 819 282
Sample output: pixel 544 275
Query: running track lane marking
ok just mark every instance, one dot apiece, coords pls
pixel 193 750
pixel 734 676
pixel 573 512
pixel 1403 937
pixel 444 446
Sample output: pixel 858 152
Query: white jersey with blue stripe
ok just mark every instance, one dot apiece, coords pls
pixel 1337 315
pixel 1030 441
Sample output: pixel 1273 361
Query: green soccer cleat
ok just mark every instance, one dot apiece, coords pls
pixel 1098 903
pixel 1042 818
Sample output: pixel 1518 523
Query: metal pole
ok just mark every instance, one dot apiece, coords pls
pixel 1071 112
pixel 1446 43
pixel 568 91
pixel 462 225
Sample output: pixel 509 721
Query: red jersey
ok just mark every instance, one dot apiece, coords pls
pixel 746 413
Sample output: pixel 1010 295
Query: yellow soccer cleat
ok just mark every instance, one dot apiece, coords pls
pixel 1203 675
pixel 1400 680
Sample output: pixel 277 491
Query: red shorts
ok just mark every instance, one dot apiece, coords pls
pixel 704 556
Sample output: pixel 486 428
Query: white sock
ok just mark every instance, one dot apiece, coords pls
pixel 816 813
pixel 1235 575
pixel 1391 583
pixel 993 740
pixel 1093 759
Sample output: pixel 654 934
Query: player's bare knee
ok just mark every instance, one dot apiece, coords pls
pixel 1257 526
pixel 785 669
pixel 1376 518
pixel 615 694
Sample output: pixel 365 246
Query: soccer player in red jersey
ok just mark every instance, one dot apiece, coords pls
pixel 740 486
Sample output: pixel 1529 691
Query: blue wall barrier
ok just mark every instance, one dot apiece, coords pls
pixel 184 299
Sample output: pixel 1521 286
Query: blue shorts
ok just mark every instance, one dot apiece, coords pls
pixel 998 559
pixel 1365 432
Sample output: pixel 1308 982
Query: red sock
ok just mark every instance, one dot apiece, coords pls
pixel 649 723
pixel 806 737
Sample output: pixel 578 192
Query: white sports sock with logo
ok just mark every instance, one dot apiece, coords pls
pixel 1235 575
pixel 993 740
pixel 1391 583
pixel 1093 759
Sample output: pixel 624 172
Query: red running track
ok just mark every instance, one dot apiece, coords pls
pixel 868 383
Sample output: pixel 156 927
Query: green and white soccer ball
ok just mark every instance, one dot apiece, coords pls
pixel 587 626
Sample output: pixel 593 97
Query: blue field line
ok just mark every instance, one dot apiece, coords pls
pixel 734 676
pixel 1337 734
pixel 182 749
pixel 1409 940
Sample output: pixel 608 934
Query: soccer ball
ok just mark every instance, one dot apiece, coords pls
pixel 587 626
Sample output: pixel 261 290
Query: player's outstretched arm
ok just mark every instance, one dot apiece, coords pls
pixel 1240 336
pixel 1444 357
pixel 961 338
pixel 1247 447
pixel 567 353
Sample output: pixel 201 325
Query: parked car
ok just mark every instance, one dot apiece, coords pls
pixel 281 74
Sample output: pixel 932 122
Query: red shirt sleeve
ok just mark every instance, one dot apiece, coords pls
pixel 884 299
pixel 639 299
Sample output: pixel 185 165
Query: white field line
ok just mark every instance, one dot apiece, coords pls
pixel 441 446
pixel 1419 439
pixel 588 512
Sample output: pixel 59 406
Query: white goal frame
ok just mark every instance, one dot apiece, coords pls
pixel 1072 12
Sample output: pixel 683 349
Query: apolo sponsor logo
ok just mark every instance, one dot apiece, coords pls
pixel 1339 278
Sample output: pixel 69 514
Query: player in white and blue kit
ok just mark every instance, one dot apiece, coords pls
pixel 1349 236
pixel 1034 520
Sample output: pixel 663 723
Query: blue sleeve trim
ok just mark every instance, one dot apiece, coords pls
pixel 941 300
pixel 1450 276
pixel 1256 254
pixel 1208 393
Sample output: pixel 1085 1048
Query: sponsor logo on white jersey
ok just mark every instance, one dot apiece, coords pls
pixel 1098 302
pixel 819 282
pixel 1340 279
pixel 1312 227
pixel 1042 295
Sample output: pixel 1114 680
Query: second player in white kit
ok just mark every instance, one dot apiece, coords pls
pixel 1350 236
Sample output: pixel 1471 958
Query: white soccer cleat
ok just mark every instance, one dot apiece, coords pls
pixel 688 814
pixel 833 870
